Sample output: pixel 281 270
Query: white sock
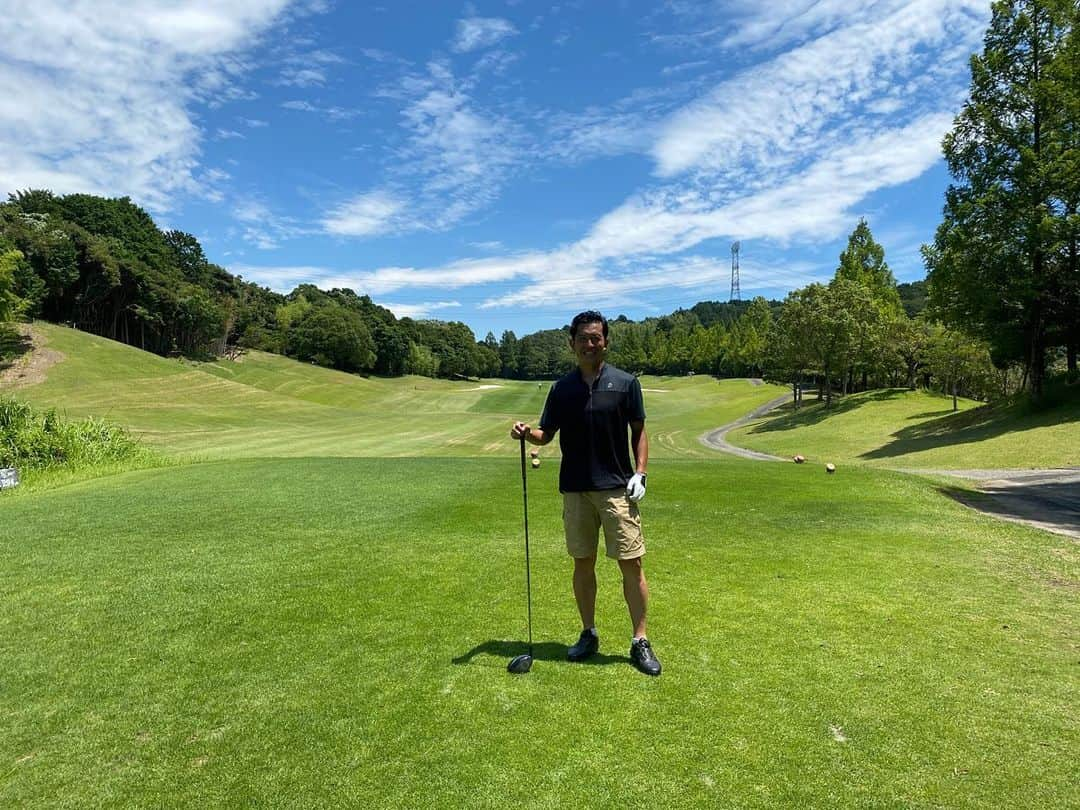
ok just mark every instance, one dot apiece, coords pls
pixel 636 639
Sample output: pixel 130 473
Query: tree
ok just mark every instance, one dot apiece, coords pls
pixel 863 262
pixel 508 355
pixel 956 359
pixel 626 345
pixel 832 322
pixel 333 336
pixel 912 297
pixel 1063 75
pixel 421 361
pixel 995 261
pixel 791 340
pixel 750 335
pixel 908 341
pixel 487 358
pixel 10 303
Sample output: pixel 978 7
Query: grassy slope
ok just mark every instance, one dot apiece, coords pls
pixel 268 405
pixel 330 631
pixel 864 428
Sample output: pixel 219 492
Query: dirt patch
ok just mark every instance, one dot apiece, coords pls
pixel 31 368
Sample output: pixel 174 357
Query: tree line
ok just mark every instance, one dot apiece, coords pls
pixel 103 266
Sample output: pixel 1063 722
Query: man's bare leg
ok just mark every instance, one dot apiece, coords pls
pixel 585 589
pixel 636 592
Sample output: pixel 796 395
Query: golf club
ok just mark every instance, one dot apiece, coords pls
pixel 521 664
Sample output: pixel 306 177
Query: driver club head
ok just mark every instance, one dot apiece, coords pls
pixel 520 664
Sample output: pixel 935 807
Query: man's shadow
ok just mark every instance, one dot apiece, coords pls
pixel 542 651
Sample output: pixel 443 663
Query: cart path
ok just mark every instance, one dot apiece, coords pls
pixel 715 439
pixel 1046 499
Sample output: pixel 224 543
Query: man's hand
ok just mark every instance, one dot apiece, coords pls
pixel 519 431
pixel 635 487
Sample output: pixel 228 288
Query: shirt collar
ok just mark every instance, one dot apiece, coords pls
pixel 599 376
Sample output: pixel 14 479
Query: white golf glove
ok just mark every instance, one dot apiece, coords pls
pixel 635 487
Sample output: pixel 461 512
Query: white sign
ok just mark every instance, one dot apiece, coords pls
pixel 9 477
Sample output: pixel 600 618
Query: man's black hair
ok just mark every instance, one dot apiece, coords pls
pixel 588 316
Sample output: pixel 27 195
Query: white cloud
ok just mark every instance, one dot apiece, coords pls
pixel 333 113
pixel 812 204
pixel 474 33
pixel 262 226
pixel 682 67
pixel 280 279
pixel 370 214
pixel 94 96
pixel 465 273
pixel 634 249
pixel 302 77
pixel 456 156
pixel 771 116
pixel 418 311
pixel 307 69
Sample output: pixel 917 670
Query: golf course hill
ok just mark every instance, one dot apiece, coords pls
pixel 264 405
pixel 902 429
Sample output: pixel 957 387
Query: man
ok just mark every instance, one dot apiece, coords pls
pixel 594 406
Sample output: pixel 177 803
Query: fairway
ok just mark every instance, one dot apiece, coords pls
pixel 270 406
pixel 321 611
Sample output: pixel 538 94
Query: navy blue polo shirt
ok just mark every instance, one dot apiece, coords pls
pixel 592 423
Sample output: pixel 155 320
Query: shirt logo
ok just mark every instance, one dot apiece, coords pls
pixel 610 385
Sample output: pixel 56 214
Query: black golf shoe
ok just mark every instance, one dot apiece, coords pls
pixel 643 657
pixel 586 645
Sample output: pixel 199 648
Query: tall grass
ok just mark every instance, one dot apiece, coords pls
pixel 33 441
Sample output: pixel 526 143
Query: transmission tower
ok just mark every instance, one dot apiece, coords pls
pixel 735 295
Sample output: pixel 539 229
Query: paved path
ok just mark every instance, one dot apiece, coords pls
pixel 715 438
pixel 1045 499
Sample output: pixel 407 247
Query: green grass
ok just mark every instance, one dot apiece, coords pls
pixel 918 429
pixel 329 631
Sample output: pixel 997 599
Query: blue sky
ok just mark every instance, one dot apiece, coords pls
pixel 506 163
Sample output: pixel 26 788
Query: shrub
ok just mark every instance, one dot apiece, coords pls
pixel 38 441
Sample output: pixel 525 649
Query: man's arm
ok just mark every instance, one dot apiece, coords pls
pixel 639 443
pixel 535 435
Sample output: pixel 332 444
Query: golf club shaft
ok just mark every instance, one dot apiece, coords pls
pixel 528 576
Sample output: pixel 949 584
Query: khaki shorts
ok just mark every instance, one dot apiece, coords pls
pixel 585 512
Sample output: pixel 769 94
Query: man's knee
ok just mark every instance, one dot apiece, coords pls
pixel 585 564
pixel 631 569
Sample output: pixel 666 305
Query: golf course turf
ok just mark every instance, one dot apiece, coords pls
pixel 320 614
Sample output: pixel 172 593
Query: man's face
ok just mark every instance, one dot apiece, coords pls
pixel 589 344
